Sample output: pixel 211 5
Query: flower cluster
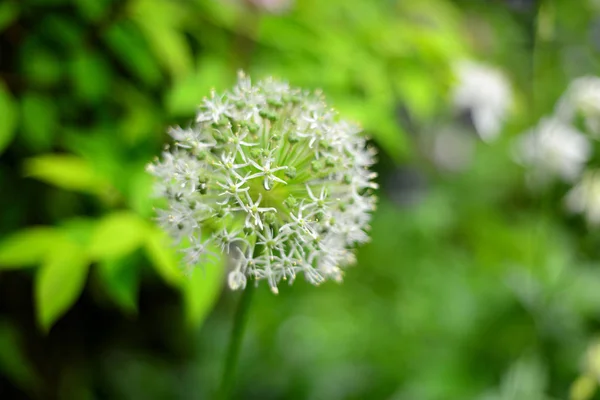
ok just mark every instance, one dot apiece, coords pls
pixel 272 176
pixel 582 99
pixel 485 93
pixel 554 148
pixel 560 146
pixel 585 197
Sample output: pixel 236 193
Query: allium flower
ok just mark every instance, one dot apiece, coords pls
pixel 271 176
pixel 486 94
pixel 554 148
pixel 585 197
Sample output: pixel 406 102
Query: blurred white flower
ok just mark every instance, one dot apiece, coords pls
pixel 486 93
pixel 262 6
pixel 554 148
pixel 272 6
pixel 453 149
pixel 584 198
pixel 582 96
pixel 525 379
pixel 595 4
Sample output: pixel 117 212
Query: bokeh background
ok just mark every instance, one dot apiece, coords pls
pixel 478 282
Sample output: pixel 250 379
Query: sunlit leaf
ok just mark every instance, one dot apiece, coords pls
pixel 418 90
pixel 100 148
pixel 164 258
pixel 223 16
pixel 117 234
pixel 65 171
pixel 78 229
pixel 140 192
pixel 584 388
pixel 379 124
pixel 169 46
pixel 283 35
pixel 201 290
pixel 8 118
pixel 59 282
pixel 165 12
pixel 28 247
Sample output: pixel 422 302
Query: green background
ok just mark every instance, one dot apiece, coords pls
pixel 473 287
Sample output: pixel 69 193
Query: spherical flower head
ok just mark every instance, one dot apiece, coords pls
pixel 271 176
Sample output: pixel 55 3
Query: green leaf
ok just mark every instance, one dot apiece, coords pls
pixel 13 363
pixel 117 234
pixel 39 65
pixel 380 124
pixel 129 46
pixel 202 289
pixel 120 280
pixel 140 192
pixel 141 117
pixel 28 247
pixel 91 76
pixel 59 282
pixel 8 118
pixel 584 388
pixel 93 10
pixel 100 147
pixel 39 120
pixel 63 29
pixel 169 46
pixel 8 13
pixel 164 258
pixel 79 229
pixel 419 90
pixel 65 171
pixel 165 12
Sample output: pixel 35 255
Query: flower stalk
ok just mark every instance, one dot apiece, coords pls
pixel 235 343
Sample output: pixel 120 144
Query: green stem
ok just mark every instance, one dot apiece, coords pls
pixel 235 342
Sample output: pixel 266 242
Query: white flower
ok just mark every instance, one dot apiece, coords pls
pixel 273 6
pixel 585 197
pixel 554 148
pixel 582 96
pixel 271 172
pixel 486 93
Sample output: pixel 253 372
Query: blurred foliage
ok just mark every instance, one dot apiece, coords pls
pixel 476 290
